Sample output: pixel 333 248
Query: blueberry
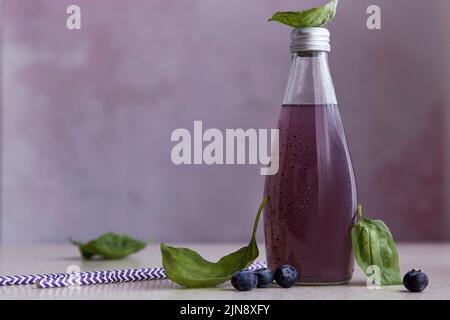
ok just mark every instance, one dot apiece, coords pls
pixel 285 276
pixel 415 281
pixel 265 278
pixel 244 280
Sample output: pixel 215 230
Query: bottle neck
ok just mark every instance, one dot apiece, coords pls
pixel 310 80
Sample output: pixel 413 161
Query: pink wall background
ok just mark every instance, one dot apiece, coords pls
pixel 87 115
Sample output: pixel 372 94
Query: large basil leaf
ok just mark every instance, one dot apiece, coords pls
pixel 109 246
pixel 188 268
pixel 315 17
pixel 373 244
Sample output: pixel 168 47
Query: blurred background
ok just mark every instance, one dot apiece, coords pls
pixel 87 115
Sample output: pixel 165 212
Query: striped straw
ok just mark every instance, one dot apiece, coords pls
pixel 111 276
pixel 26 279
pixel 59 280
pixel 101 277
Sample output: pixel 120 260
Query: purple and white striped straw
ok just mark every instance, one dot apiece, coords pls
pixel 26 279
pixel 112 276
pixel 101 277
pixel 59 280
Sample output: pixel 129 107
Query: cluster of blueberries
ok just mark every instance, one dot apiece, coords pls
pixel 285 276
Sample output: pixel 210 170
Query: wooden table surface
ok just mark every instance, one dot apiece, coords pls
pixel 434 259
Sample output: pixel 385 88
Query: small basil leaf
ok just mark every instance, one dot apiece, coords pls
pixel 189 269
pixel 315 17
pixel 373 245
pixel 109 246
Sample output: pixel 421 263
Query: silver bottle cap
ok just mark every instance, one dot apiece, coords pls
pixel 310 39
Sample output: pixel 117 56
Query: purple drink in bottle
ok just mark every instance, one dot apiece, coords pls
pixel 312 198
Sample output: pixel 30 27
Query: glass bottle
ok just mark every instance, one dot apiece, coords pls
pixel 312 198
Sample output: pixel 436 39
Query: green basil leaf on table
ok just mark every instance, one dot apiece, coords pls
pixel 189 269
pixel 373 245
pixel 109 246
pixel 315 17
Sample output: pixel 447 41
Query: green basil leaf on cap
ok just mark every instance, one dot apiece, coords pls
pixel 109 246
pixel 189 269
pixel 373 245
pixel 315 17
